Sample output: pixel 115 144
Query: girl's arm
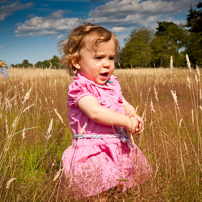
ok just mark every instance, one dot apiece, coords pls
pixel 130 111
pixel 103 115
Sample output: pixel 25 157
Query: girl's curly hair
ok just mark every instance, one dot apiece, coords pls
pixel 71 46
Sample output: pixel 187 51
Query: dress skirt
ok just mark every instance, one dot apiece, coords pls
pixel 91 166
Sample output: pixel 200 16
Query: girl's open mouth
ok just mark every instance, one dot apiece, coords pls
pixel 104 74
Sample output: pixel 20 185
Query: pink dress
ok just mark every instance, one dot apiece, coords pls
pixel 100 159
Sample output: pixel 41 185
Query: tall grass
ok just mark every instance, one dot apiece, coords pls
pixel 34 132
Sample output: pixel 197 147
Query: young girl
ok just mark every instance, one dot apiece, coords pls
pixel 102 155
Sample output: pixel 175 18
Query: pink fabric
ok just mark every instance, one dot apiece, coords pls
pixel 109 96
pixel 92 166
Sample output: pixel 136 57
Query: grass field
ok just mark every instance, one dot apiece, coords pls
pixel 34 132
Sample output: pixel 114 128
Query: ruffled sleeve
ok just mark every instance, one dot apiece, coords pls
pixel 77 90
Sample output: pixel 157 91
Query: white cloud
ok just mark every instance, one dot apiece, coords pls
pixel 60 36
pixel 53 24
pixel 9 9
pixel 117 15
pixel 127 13
pixel 2 47
pixel 121 29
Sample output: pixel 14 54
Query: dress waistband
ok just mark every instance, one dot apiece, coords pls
pixel 124 138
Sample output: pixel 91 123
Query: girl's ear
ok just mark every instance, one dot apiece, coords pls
pixel 75 62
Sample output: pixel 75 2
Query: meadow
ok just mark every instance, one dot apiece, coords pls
pixel 34 132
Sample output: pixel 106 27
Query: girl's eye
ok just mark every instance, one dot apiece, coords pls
pixel 111 58
pixel 98 57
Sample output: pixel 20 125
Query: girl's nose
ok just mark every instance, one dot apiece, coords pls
pixel 106 64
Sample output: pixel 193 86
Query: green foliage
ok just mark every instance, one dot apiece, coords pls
pixel 170 39
pixel 194 18
pixel 194 48
pixel 163 27
pixel 176 34
pixel 24 64
pixel 144 48
pixel 53 63
pixel 160 51
pixel 136 51
pixel 194 42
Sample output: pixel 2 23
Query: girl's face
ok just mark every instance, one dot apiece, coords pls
pixel 98 65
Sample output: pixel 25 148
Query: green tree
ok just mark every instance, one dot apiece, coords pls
pixel 194 18
pixel 136 52
pixel 169 40
pixel 55 62
pixel 25 62
pixel 160 51
pixel 194 48
pixel 194 42
pixel 162 28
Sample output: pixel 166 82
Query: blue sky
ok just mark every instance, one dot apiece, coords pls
pixel 32 29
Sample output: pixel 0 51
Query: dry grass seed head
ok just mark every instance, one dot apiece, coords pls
pixel 180 123
pixel 59 116
pixel 9 183
pixel 27 95
pixel 156 94
pixel 152 107
pixel 82 130
pixel 175 98
pixel 171 62
pixel 48 134
pixel 188 63
pixel 23 133
pixel 28 108
pixel 189 82
pixel 198 72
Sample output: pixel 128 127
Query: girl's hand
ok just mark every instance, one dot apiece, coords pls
pixel 132 124
pixel 140 127
pixel 130 111
pixel 103 115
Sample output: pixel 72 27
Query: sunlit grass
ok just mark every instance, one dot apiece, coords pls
pixel 34 132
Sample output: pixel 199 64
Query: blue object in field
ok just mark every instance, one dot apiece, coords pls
pixel 4 72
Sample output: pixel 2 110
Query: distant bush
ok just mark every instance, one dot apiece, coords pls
pixel 52 63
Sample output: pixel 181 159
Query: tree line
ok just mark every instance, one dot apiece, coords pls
pixel 145 47
pixel 148 48
pixel 54 62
